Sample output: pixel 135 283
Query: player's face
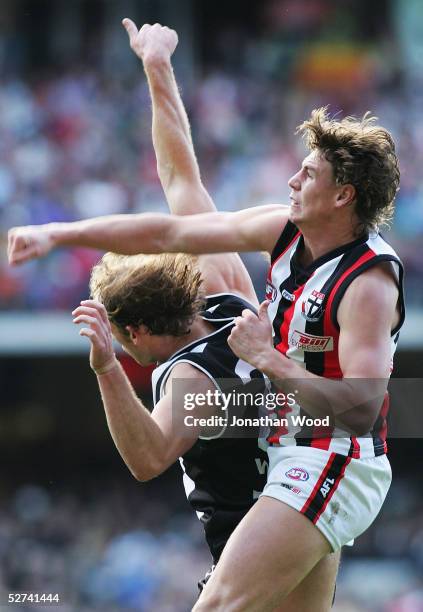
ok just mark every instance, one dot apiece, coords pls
pixel 138 348
pixel 313 191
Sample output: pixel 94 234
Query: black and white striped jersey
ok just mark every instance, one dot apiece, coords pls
pixel 303 309
pixel 223 476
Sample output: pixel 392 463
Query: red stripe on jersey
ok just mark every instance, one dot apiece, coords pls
pixel 321 437
pixel 355 452
pixel 282 347
pixel 383 413
pixel 297 235
pixel 333 489
pixel 332 368
pixel 318 483
pixel 282 430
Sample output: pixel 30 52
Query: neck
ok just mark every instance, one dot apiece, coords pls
pixel 171 344
pixel 318 242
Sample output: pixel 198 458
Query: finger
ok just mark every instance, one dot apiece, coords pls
pixel 87 312
pixel 232 343
pixel 91 321
pixel 145 27
pixel 23 254
pixel 248 314
pixel 131 28
pixel 88 333
pixel 262 311
pixel 98 307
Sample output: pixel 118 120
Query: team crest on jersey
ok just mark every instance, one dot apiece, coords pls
pixel 297 473
pixel 312 309
pixel 271 292
pixel 310 343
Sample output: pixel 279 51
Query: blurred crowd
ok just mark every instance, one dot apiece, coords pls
pixel 104 545
pixel 78 143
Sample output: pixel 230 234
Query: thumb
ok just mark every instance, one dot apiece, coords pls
pixel 131 28
pixel 262 311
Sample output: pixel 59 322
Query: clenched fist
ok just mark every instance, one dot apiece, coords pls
pixel 28 242
pixel 151 41
pixel 251 336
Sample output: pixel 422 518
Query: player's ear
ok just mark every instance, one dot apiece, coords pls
pixel 133 333
pixel 346 195
pixel 137 332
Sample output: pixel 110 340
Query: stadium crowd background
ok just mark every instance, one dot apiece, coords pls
pixel 75 142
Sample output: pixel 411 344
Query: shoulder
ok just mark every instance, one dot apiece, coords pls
pixel 225 306
pixel 372 295
pixel 189 377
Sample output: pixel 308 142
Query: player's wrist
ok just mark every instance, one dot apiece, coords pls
pixel 107 367
pixel 273 364
pixel 156 61
pixel 55 233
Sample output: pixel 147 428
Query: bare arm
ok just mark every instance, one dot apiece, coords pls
pixel 148 443
pixel 364 354
pixel 253 229
pixel 176 161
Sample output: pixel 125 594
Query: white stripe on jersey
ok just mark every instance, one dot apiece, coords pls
pixel 189 486
pixel 279 272
pixel 298 322
pixel 282 269
pixel 243 370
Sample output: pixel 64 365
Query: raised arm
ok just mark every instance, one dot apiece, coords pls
pixel 176 161
pixel 253 229
pixel 148 443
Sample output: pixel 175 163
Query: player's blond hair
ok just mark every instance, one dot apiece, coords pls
pixel 162 292
pixel 361 154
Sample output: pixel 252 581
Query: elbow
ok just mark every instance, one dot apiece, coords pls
pixel 359 426
pixel 362 430
pixel 146 472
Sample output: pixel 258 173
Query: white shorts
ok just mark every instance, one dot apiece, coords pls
pixel 340 495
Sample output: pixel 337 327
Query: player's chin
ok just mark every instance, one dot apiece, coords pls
pixel 294 213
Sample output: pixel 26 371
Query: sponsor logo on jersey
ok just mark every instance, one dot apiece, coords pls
pixel 271 292
pixel 310 343
pixel 297 473
pixel 288 296
pixel 312 309
pixel 296 490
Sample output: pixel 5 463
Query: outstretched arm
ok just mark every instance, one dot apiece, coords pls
pixel 253 229
pixel 176 161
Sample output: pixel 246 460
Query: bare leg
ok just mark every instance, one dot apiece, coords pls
pixel 315 592
pixel 269 554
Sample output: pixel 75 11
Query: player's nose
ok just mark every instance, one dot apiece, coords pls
pixel 294 182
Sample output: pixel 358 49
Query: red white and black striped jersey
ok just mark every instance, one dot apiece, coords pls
pixel 303 310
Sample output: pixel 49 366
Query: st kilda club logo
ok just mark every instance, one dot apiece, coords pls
pixel 271 292
pixel 312 309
